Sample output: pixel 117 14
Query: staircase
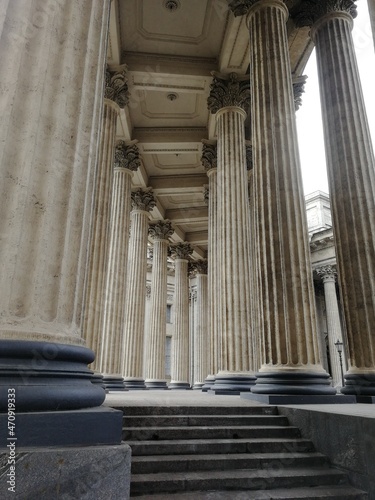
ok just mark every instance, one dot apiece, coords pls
pixel 241 453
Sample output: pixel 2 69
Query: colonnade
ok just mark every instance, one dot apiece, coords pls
pixel 261 247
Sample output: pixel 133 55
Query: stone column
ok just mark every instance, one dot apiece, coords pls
pixel 229 98
pixel 134 318
pixel 289 343
pixel 351 176
pixel 49 132
pixel 126 162
pixel 180 340
pixel 328 275
pixel 157 330
pixel 116 97
pixel 209 161
pixel 371 9
pixel 201 334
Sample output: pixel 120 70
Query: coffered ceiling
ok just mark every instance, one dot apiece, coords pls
pixel 170 48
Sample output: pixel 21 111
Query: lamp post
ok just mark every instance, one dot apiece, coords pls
pixel 339 346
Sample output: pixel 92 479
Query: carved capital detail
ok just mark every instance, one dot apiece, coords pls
pixel 206 194
pixel 127 156
pixel 241 7
pixel 143 200
pixel 181 251
pixel 198 267
pixel 148 291
pixel 229 91
pixel 116 87
pixel 249 156
pixel 310 11
pixel 209 156
pixel 327 273
pixel 161 230
pixel 298 90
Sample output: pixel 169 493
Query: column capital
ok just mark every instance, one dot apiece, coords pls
pixel 310 11
pixel 198 267
pixel 249 156
pixel 143 200
pixel 181 251
pixel 127 156
pixel 209 155
pixel 242 7
pixel 327 273
pixel 206 194
pixel 298 89
pixel 161 230
pixel 229 90
pixel 116 87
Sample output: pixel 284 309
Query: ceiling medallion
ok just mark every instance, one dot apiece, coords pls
pixel 172 5
pixel 172 96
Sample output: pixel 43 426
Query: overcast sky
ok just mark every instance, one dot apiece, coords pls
pixel 309 121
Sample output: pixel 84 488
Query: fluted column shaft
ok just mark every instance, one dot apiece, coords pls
pixel 351 175
pixel 200 332
pixel 333 320
pixel 180 340
pixel 288 320
pixel 155 348
pixel 135 302
pixel 48 134
pixel 126 161
pixel 97 267
pixel 371 9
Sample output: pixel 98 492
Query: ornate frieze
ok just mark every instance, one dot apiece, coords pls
pixel 116 87
pixel 127 156
pixel 143 200
pixel 229 90
pixel 181 251
pixel 298 90
pixel 241 7
pixel 209 156
pixel 309 11
pixel 161 230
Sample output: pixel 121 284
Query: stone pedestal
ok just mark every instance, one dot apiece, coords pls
pixel 180 340
pixel 156 339
pixel 351 176
pixel 116 88
pixel 228 98
pixel 134 318
pixel 289 345
pixel 126 161
pixel 49 132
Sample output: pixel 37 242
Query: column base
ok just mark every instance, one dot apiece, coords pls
pixel 359 384
pixel 295 383
pixel 135 384
pixel 309 399
pixel 198 386
pixel 232 383
pixel 97 378
pixel 113 383
pixel 156 385
pixel 179 386
pixel 44 376
pixel 208 383
pixel 88 427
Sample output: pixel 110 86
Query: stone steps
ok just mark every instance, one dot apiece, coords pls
pixel 236 453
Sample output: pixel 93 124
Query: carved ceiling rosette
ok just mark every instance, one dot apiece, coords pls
pixel 127 156
pixel 309 11
pixel 181 251
pixel 161 230
pixel 209 155
pixel 229 90
pixel 116 87
pixel 143 200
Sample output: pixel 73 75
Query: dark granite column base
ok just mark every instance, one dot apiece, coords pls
pixel 366 399
pixel 44 376
pixel 208 383
pixel 198 386
pixel 362 384
pixel 179 386
pixel 232 384
pixel 97 378
pixel 114 383
pixel 297 383
pixel 135 384
pixel 88 427
pixel 309 399
pixel 156 385
pixel 95 472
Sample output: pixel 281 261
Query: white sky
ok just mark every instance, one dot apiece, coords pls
pixel 309 122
